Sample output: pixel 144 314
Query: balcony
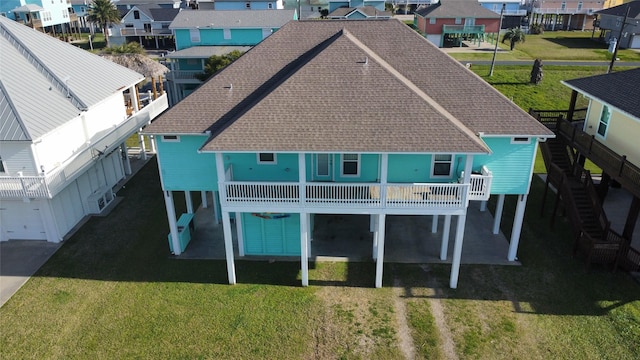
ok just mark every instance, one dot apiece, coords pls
pixel 480 185
pixel 462 29
pixel 565 10
pixel 128 31
pixel 50 184
pixel 184 76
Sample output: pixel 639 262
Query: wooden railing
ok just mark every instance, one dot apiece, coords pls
pixel 550 118
pixel 344 195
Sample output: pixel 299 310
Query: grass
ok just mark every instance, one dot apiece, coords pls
pixel 555 45
pixel 112 291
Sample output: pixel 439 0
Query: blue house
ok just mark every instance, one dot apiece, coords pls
pixel 248 5
pixel 200 34
pixel 334 4
pixel 514 11
pixel 309 122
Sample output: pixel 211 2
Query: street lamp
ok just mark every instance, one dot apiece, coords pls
pixel 495 49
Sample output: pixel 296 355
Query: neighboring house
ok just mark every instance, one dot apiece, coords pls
pixel 448 22
pixel 514 11
pixel 610 21
pixel 126 5
pixel 200 34
pixel 365 12
pixel 63 127
pixel 147 24
pixel 43 15
pixel 81 9
pixel 335 4
pixel 566 14
pixel 613 115
pixel 332 117
pixel 248 5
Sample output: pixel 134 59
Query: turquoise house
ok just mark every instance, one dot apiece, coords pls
pixel 200 34
pixel 302 125
pixel 335 4
pixel 248 5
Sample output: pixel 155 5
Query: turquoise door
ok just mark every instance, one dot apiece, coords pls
pixel 271 234
pixel 323 167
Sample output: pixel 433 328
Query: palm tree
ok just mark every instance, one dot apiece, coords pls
pixel 514 35
pixel 104 13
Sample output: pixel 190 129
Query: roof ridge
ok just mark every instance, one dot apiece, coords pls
pixel 268 86
pixel 15 112
pixel 59 84
pixel 413 87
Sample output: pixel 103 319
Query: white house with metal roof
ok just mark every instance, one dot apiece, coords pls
pixel 64 117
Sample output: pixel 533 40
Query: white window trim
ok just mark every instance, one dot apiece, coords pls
pixel 165 139
pixel 606 129
pixel 432 21
pixel 433 167
pixel 342 161
pixel 516 140
pixel 261 162
pixel 458 21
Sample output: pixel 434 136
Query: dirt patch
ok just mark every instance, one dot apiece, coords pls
pixel 437 311
pixel 405 340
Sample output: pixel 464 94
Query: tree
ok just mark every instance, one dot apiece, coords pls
pixel 217 62
pixel 104 13
pixel 514 35
pixel 536 72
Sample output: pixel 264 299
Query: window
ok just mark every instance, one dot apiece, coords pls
pixel 266 158
pixel 2 168
pixel 226 34
pixel 270 6
pixel 195 35
pixel 580 5
pixel 350 165
pixel 521 140
pixel 442 165
pixel 170 138
pixel 603 126
pixel 136 14
pixel 432 21
pixel 458 21
pixel 247 5
pixel 563 6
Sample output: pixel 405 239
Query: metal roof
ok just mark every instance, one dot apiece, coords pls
pixel 201 52
pixel 46 82
pixel 217 19
pixel 350 86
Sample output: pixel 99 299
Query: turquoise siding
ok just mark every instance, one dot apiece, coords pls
pixel 189 64
pixel 246 167
pixel 415 168
pixel 214 37
pixel 271 236
pixel 183 168
pixel 337 4
pixel 239 5
pixel 510 164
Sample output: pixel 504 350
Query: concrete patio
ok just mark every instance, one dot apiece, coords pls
pixel 409 239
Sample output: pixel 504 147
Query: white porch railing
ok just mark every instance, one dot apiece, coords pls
pixel 184 76
pixel 344 195
pixel 48 185
pixel 480 184
pixel 566 10
pixel 129 31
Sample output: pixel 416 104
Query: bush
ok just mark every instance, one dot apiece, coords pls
pixel 536 29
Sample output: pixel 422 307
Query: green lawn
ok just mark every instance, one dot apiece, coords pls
pixel 555 45
pixel 112 291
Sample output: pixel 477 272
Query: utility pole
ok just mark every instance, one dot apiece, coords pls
pixel 495 50
pixel 615 50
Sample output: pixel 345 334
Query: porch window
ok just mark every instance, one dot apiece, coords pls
pixel 266 158
pixel 458 21
pixel 432 21
pixel 442 165
pixel 195 35
pixel 579 5
pixel 563 6
pixel 603 126
pixel 170 138
pixel 136 14
pixel 350 165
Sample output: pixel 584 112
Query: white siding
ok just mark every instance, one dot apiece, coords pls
pixel 68 208
pixel 17 156
pixel 60 144
pixel 21 220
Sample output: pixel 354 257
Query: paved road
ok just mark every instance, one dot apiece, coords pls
pixel 555 62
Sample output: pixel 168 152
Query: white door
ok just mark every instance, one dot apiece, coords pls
pixel 21 221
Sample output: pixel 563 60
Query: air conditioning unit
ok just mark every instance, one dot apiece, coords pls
pixel 99 200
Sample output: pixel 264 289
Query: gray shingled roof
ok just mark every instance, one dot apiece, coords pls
pixel 361 86
pixel 201 52
pixel 621 10
pixel 156 13
pixel 45 82
pixel 619 89
pixel 367 10
pixel 189 19
pixel 457 9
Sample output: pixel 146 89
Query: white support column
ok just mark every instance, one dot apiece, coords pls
pixel 143 147
pixel 457 251
pixel 125 155
pixel 302 180
pixel 239 233
pixel 444 248
pixel 310 236
pixel 384 169
pixel 221 186
pixel 152 141
pixel 498 216
pixel 304 248
pixel 434 224
pixel 517 227
pixel 374 225
pixel 483 206
pixel 203 197
pixel 228 247
pixel 189 201
pixel 380 250
pixel 214 204
pixel 173 227
pixel 468 165
pixel 133 91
